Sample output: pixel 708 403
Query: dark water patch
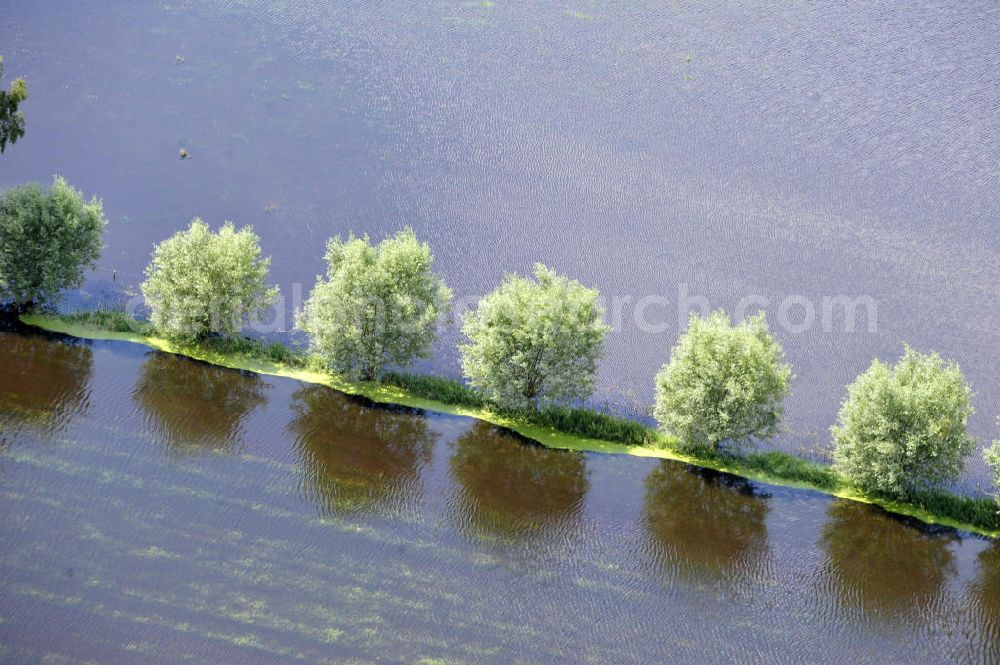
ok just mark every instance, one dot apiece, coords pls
pixel 986 591
pixel 46 381
pixel 508 489
pixel 193 405
pixel 704 522
pixel 356 454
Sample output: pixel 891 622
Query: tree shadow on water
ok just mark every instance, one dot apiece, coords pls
pixel 985 593
pixel 883 564
pixel 193 406
pixel 358 456
pixel 511 489
pixel 44 381
pixel 704 525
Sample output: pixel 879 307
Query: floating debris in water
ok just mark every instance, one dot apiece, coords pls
pixel 180 59
pixel 185 154
pixel 688 59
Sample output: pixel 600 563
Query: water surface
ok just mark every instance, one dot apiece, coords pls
pixel 154 509
pixel 158 510
pixel 714 150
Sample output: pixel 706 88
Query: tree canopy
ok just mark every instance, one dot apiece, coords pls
pixel 378 305
pixel 11 119
pixel 903 428
pixel 723 382
pixel 534 339
pixel 992 457
pixel 47 239
pixel 200 283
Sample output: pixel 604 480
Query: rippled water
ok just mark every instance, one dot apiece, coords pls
pixel 154 509
pixel 158 510
pixel 676 150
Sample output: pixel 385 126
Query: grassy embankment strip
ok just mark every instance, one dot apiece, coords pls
pixel 557 427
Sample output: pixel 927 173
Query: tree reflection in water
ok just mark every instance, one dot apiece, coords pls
pixel 44 382
pixel 704 524
pixel 883 563
pixel 356 455
pixel 194 406
pixel 986 592
pixel 512 489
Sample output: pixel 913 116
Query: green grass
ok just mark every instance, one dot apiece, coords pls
pixel 113 320
pixel 118 321
pixel 790 467
pixel 436 388
pixel 275 352
pixel 981 512
pixel 555 426
pixel 769 464
pixel 589 424
pixel 578 422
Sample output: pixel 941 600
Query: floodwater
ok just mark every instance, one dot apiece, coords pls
pixel 673 155
pixel 158 510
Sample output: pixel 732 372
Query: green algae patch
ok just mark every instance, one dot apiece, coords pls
pixel 808 475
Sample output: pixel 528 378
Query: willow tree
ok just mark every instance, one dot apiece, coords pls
pixel 378 305
pixel 902 428
pixel 535 339
pixel 47 239
pixel 723 383
pixel 201 283
pixel 11 119
pixel 992 457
